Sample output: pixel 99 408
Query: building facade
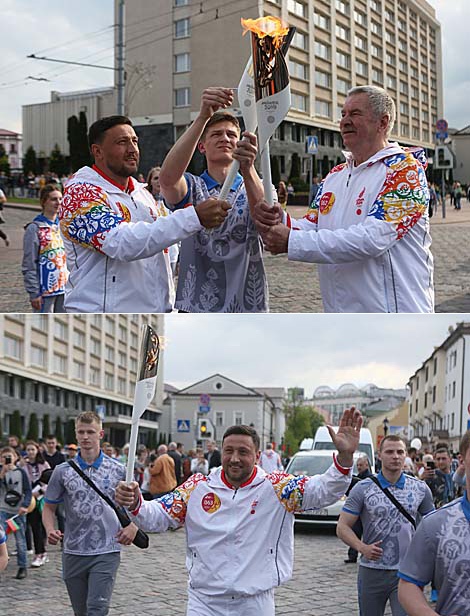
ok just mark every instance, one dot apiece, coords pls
pixel 439 391
pixel 176 48
pixel 60 365
pixel 221 402
pixel 338 44
pixel 460 145
pixel 334 402
pixel 12 143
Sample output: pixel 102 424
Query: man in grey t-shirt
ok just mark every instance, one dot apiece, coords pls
pixel 91 550
pixel 386 531
pixel 440 551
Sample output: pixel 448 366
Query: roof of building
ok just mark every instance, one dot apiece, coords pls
pixel 8 133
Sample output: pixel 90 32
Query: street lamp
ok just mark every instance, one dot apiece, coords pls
pixel 385 425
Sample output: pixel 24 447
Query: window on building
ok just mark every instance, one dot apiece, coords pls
pixel 60 330
pixel 322 79
pixel 219 419
pixel 39 321
pixel 342 7
pixel 78 368
pixel 377 76
pixel 182 27
pixel 322 108
pixel 452 421
pixel 405 129
pixel 238 418
pixel 296 7
pixel 181 2
pixel 390 59
pixel 299 101
pixel 391 82
pixel 109 381
pixel 403 87
pixel 360 18
pixel 300 40
pixel 321 21
pixel 94 376
pixel 121 385
pixel 416 406
pixel 12 347
pixel 361 68
pixel 109 353
pixel 298 69
pixel 390 37
pixel 343 59
pixel 342 86
pixel 426 400
pixel 360 42
pixel 79 338
pixel 182 97
pixel 453 389
pixel 38 356
pixel 342 32
pixel 376 51
pixel 404 108
pixel 182 62
pixel 376 28
pixel 60 364
pixel 433 394
pixel 322 51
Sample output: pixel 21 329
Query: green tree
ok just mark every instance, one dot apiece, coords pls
pixel 295 167
pixel 57 162
pixel 33 430
pixel 4 164
pixel 275 171
pixel 69 432
pixel 58 432
pixel 46 425
pixel 30 161
pixel 302 422
pixel 78 141
pixel 15 425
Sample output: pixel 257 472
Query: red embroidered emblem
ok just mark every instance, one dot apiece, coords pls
pixel 360 201
pixel 210 502
pixel 326 202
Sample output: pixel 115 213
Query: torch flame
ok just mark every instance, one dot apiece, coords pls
pixel 267 26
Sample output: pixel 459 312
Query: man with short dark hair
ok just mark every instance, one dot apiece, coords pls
pixel 115 235
pixel 212 455
pixel 387 532
pixel 93 534
pixel 239 520
pixel 440 552
pixel 220 271
pixel 368 227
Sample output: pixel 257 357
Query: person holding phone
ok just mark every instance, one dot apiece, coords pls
pixel 438 476
pixel 15 498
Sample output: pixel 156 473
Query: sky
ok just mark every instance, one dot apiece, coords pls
pixel 59 29
pixel 302 350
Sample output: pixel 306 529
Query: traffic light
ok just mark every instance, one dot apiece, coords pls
pixel 203 429
pixel 443 158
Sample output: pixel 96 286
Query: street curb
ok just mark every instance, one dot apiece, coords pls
pixel 23 206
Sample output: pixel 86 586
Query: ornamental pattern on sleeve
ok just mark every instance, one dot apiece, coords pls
pixel 52 267
pixel 312 212
pixel 404 196
pixel 175 503
pixel 289 489
pixel 86 217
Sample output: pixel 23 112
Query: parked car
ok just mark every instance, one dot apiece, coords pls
pixel 315 462
pixel 323 442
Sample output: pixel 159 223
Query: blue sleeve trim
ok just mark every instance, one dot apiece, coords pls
pixel 53 502
pixel 185 199
pixel 407 578
pixel 351 511
pixel 3 539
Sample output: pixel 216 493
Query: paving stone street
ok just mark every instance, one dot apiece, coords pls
pixel 293 286
pixel 153 582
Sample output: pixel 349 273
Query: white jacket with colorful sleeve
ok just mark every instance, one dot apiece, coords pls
pixel 368 228
pixel 116 243
pixel 240 540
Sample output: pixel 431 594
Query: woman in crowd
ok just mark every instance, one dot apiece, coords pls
pixel 34 466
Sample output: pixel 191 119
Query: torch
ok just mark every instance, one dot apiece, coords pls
pixel 144 388
pixel 246 99
pixel 270 39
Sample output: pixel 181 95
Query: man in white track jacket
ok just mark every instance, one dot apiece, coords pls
pixel 239 520
pixel 368 227
pixel 116 237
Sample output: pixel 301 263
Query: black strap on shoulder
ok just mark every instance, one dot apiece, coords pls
pixel 141 539
pixel 397 504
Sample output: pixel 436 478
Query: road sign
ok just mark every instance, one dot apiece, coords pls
pixel 442 126
pixel 183 425
pixel 312 144
pixel 440 136
pixel 100 410
pixel 468 409
pixel 204 409
pixel 204 400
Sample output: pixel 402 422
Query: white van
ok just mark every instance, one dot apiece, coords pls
pixel 322 441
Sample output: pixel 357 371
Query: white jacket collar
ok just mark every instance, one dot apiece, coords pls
pixel 90 176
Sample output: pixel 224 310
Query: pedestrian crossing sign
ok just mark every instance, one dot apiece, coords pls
pixel 182 425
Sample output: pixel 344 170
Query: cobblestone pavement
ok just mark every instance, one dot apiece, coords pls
pixel 153 582
pixel 293 286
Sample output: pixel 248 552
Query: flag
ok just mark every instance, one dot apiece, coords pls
pixel 12 525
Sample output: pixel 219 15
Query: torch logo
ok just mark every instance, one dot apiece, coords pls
pixel 210 502
pixel 326 202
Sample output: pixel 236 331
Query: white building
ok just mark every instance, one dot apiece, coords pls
pixel 222 402
pixel 439 391
pixel 12 142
